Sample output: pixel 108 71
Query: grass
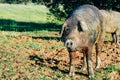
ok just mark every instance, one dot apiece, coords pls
pixel 33 45
pixel 108 72
pixel 112 68
pixel 14 56
pixel 24 13
pixel 30 47
pixel 25 30
pixel 19 17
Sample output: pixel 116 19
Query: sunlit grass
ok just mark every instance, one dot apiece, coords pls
pixel 20 17
pixel 25 13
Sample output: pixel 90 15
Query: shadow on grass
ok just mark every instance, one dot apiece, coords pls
pixel 49 62
pixel 11 25
pixel 47 38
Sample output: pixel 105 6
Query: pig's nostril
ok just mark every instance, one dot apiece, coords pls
pixel 67 43
pixel 71 43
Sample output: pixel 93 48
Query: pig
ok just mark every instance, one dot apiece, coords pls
pixel 80 32
pixel 111 21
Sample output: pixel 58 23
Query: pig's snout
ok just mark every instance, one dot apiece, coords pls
pixel 70 44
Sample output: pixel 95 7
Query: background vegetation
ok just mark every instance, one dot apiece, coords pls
pixel 61 8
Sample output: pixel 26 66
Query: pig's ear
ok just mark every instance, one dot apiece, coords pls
pixel 63 27
pixel 84 26
pixel 79 26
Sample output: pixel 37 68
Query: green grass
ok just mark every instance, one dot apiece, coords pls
pixel 19 17
pixel 24 13
pixel 32 45
pixel 44 78
pixel 18 22
pixel 108 70
pixel 112 68
pixel 105 73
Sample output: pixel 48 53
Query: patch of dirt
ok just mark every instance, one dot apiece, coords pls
pixel 51 61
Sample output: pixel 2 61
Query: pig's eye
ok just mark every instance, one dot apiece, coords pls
pixel 67 30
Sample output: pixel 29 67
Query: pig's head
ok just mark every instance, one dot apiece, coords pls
pixel 72 34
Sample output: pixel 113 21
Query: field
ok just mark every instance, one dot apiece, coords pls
pixel 30 48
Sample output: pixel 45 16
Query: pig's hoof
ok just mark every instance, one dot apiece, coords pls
pixel 83 68
pixel 72 74
pixel 91 76
pixel 97 67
